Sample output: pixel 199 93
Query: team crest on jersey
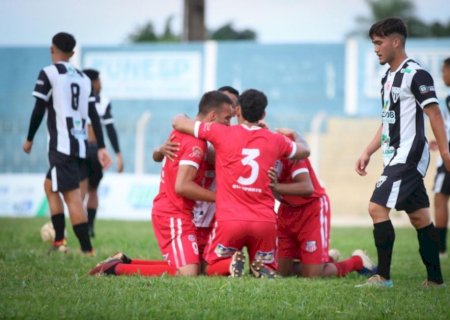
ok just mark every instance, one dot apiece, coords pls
pixel 224 252
pixel 207 126
pixel 196 152
pixel 310 246
pixel 395 93
pixel 380 181
pixel 192 238
pixel 265 256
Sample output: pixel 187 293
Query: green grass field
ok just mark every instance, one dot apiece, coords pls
pixel 35 285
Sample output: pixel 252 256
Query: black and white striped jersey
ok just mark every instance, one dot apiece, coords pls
pixel 103 107
pixel 405 93
pixel 67 92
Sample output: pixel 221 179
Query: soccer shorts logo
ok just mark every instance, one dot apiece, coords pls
pixel 380 181
pixel 310 246
pixel 222 251
pixel 265 256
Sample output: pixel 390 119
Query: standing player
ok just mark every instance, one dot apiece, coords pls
pixel 172 207
pixel 65 93
pixel 95 172
pixel 407 93
pixel 442 180
pixel 245 215
pixel 304 225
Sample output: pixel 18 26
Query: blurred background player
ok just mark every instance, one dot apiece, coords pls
pixel 95 170
pixel 244 215
pixel 304 225
pixel 407 93
pixel 442 180
pixel 66 94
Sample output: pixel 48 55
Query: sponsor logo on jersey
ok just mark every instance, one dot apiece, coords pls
pixel 406 70
pixel 388 116
pixel 380 181
pixel 196 152
pixel 425 89
pixel 192 237
pixel 265 256
pixel 310 246
pixel 395 93
pixel 222 251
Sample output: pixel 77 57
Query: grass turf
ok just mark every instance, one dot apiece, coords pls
pixel 35 285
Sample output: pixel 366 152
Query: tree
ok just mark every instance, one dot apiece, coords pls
pixel 227 32
pixel 145 33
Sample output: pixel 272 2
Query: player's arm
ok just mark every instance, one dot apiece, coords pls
pixel 35 121
pixel 169 149
pixel 437 125
pixel 301 149
pixel 364 158
pixel 113 137
pixel 103 155
pixel 301 185
pixel 185 185
pixel 183 124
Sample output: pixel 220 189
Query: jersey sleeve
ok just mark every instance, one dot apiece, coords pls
pixel 298 167
pixel 288 148
pixel 193 152
pixel 42 88
pixel 422 86
pixel 107 118
pixel 209 131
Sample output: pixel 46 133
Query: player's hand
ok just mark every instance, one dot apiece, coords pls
pixel 287 132
pixel 361 164
pixel 119 159
pixel 27 146
pixel 263 124
pixel 104 158
pixel 170 148
pixel 433 145
pixel 272 177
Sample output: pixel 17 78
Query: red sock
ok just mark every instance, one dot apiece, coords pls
pixel 148 262
pixel 144 269
pixel 219 268
pixel 351 264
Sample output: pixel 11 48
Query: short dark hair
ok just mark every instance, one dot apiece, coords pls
pixel 64 41
pixel 388 26
pixel 92 74
pixel 212 100
pixel 253 104
pixel 447 62
pixel 229 89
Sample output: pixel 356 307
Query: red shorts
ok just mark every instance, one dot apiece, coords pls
pixel 177 240
pixel 202 239
pixel 229 236
pixel 304 232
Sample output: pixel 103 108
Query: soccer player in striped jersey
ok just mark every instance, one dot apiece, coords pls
pixel 304 225
pixel 95 172
pixel 66 94
pixel 407 93
pixel 244 215
pixel 442 180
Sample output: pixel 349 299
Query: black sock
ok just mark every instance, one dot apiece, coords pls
pixel 384 235
pixel 91 216
pixel 59 224
pixel 442 232
pixel 428 248
pixel 81 231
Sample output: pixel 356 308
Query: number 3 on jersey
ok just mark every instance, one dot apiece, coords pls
pixel 249 160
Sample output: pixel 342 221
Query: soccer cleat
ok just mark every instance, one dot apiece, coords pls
pixel 334 255
pixel 119 255
pixel 105 268
pixel 237 264
pixel 431 284
pixel 59 246
pixel 369 268
pixel 376 281
pixel 260 270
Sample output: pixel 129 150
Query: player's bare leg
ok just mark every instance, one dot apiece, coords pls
pixel 188 270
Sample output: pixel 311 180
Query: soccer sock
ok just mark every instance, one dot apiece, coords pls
pixel 219 268
pixel 442 232
pixel 91 216
pixel 81 231
pixel 145 269
pixel 428 248
pixel 384 235
pixel 353 263
pixel 59 224
pixel 148 262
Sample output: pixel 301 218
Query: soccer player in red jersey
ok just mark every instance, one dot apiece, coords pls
pixel 304 225
pixel 172 207
pixel 244 201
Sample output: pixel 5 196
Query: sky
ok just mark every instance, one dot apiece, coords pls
pixel 110 22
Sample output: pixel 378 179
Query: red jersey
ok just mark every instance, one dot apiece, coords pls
pixel 192 152
pixel 243 157
pixel 287 170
